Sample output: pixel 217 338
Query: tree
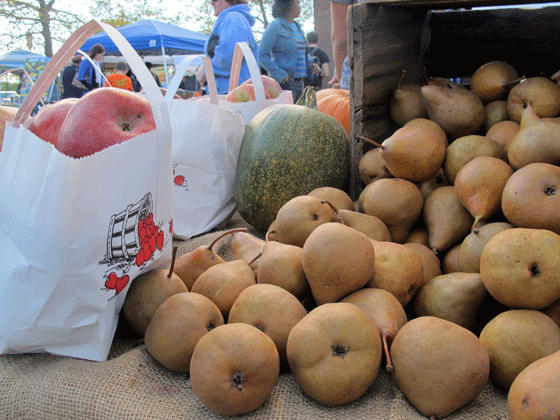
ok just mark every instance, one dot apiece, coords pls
pixel 36 24
pixel 122 12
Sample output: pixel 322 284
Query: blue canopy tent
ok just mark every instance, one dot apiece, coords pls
pixel 151 37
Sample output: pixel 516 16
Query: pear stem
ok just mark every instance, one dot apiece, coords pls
pixel 266 236
pixel 514 82
pixel 477 220
pixel 389 368
pixel 255 259
pixel 173 255
pixel 224 234
pixel 371 141
pixel 399 86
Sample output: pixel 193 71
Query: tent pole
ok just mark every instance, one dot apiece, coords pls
pixel 164 61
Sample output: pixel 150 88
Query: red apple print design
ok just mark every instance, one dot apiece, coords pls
pixel 179 180
pixel 116 283
pixel 121 283
pixel 151 238
pixel 111 282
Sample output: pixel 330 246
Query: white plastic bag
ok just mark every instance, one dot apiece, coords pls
pixel 73 231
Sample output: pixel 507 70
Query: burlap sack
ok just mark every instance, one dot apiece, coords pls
pixel 131 385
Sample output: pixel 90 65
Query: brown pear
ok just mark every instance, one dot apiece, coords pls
pixel 177 325
pixel 415 151
pixel 542 93
pixel 372 166
pixel 385 311
pixel 398 269
pixel 407 103
pixel 222 283
pixel 447 220
pixel 430 261
pixel 271 309
pixel 337 197
pixel 192 264
pixel 516 338
pixel 459 112
pixel 479 186
pixel 297 218
pixel 438 180
pixel 553 311
pixel 247 247
pixel 503 133
pixel 466 148
pixel 531 197
pixel 496 111
pixel 474 242
pixel 536 141
pixel 147 292
pixel 456 297
pixel 282 265
pixel 535 392
pixel 444 83
pixel 370 225
pixel 397 202
pixel 493 80
pixel 438 365
pixel 337 260
pixel 450 260
pixel 271 232
pixel 418 236
pixel 521 267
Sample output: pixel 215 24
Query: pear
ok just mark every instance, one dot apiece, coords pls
pixel 521 267
pixel 438 180
pixel 372 166
pixel 459 112
pixel 147 292
pixel 447 220
pixel 337 260
pixel 370 225
pixel 407 103
pixel 531 197
pixel 450 260
pixel 385 311
pixel 466 148
pixel 516 338
pixel 397 202
pixel 430 262
pixel 535 392
pixel 479 186
pixel 542 93
pixel 335 353
pixel 177 325
pixel 536 141
pixel 222 283
pixel 493 80
pixel 415 151
pixel 398 269
pixel 471 247
pixel 298 217
pixel 439 366
pixel 496 111
pixel 418 236
pixel 337 197
pixel 282 265
pixel 553 311
pixel 192 264
pixel 271 309
pixel 247 247
pixel 503 133
pixel 456 297
pixel 271 232
pixel 444 83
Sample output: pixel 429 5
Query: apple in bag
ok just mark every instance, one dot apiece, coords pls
pixel 270 85
pixel 102 118
pixel 48 121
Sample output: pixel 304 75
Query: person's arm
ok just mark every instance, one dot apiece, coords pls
pixel 324 73
pixel 339 39
pixel 85 68
pixel 269 39
pixel 234 31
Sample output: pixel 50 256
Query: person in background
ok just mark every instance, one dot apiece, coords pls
pixel 156 78
pixel 339 38
pixel 119 79
pixel 69 90
pixel 318 81
pixel 135 83
pixel 283 48
pixel 233 25
pixel 90 77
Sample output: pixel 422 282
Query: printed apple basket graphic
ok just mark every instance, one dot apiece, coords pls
pixel 179 180
pixel 133 238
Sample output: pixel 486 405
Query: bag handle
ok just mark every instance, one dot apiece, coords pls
pixel 243 50
pixel 65 53
pixel 180 72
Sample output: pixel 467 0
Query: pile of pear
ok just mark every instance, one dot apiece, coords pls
pixel 445 271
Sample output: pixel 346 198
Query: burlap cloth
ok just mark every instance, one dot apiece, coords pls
pixel 131 385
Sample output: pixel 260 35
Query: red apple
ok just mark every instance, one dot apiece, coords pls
pixel 103 117
pixel 48 121
pixel 245 92
pixel 270 85
pixel 163 92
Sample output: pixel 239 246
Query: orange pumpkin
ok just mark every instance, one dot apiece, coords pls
pixel 336 103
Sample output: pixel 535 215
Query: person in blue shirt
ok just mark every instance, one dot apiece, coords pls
pixel 232 26
pixel 283 51
pixel 87 74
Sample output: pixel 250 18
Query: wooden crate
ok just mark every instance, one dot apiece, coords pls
pixel 440 39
